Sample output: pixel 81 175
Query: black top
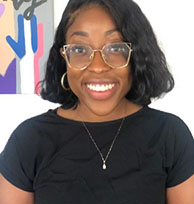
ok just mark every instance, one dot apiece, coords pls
pixel 55 158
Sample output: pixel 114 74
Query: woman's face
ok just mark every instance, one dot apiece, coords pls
pixel 93 26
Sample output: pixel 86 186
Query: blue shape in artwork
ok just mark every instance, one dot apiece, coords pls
pixel 34 33
pixel 18 47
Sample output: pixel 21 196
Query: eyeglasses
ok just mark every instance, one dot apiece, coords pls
pixel 115 55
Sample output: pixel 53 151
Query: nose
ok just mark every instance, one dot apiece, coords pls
pixel 98 65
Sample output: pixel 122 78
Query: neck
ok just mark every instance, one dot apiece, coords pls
pixel 84 114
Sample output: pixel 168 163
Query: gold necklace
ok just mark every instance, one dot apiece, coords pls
pixel 104 160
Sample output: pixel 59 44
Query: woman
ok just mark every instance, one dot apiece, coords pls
pixel 104 144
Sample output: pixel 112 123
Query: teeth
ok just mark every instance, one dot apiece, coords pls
pixel 100 87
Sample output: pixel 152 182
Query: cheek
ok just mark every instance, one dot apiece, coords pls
pixel 74 80
pixel 130 76
pixel 127 76
pixel 71 81
pixel 128 79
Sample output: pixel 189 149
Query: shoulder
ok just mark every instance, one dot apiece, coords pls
pixel 26 151
pixel 47 131
pixel 37 133
pixel 35 125
pixel 169 120
pixel 37 121
pixel 166 127
pixel 176 131
pixel 175 143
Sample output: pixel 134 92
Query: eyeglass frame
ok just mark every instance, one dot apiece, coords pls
pixel 129 45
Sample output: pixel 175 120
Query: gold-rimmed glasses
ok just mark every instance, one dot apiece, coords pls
pixel 116 55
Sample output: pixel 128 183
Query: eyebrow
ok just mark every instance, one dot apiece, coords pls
pixel 81 33
pixel 84 34
pixel 109 32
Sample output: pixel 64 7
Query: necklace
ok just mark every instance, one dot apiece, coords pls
pixel 104 160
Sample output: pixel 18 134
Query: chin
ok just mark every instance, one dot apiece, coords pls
pixel 104 110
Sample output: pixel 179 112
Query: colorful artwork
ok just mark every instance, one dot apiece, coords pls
pixel 26 35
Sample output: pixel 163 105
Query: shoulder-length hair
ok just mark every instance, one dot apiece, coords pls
pixel 150 74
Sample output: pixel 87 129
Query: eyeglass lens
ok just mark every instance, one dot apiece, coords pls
pixel 115 55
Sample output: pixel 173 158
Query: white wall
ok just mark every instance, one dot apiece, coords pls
pixel 172 22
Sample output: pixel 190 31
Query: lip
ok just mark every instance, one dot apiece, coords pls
pixel 101 95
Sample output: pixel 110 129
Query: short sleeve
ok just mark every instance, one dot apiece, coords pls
pixel 179 153
pixel 18 159
pixel 11 166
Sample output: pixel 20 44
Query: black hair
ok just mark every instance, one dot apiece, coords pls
pixel 150 74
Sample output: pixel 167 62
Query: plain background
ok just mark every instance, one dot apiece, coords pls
pixel 172 22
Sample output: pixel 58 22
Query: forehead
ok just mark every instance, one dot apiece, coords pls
pixel 91 19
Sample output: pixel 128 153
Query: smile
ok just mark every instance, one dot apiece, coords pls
pixel 100 87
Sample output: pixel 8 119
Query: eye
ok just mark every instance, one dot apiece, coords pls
pixel 116 48
pixel 78 49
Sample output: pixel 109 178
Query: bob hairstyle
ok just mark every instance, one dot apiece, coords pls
pixel 150 74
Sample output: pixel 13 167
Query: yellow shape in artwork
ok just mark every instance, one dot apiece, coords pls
pixel 6 28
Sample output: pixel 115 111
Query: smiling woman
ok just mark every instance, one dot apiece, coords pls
pixel 89 73
pixel 103 144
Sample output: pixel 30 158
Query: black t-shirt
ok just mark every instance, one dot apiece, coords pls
pixel 55 158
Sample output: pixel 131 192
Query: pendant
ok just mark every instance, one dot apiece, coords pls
pixel 104 166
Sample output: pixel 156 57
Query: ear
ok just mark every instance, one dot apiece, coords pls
pixel 62 52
